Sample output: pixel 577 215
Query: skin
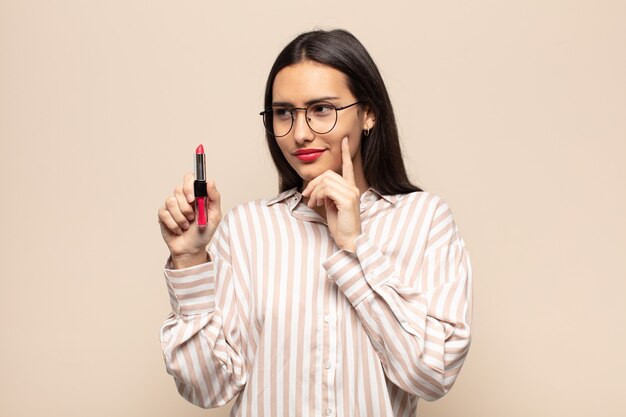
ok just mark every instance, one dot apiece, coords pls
pixel 185 239
pixel 333 183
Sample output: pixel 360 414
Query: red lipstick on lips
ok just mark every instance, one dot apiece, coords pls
pixel 308 155
pixel 199 186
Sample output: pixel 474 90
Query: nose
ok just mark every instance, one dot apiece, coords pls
pixel 301 130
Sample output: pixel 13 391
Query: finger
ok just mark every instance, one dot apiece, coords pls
pixel 347 170
pixel 214 195
pixel 185 207
pixel 311 185
pixel 336 193
pixel 313 189
pixel 333 190
pixel 315 181
pixel 332 177
pixel 172 206
pixel 188 180
pixel 167 221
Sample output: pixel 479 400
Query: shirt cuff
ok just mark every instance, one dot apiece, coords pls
pixel 191 289
pixel 358 273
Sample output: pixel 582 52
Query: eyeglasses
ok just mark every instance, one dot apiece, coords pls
pixel 321 117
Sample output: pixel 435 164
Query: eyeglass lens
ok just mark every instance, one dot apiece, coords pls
pixel 321 118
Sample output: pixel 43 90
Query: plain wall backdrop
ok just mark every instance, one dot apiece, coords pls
pixel 514 112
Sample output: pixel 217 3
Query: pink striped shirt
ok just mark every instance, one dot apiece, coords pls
pixel 297 326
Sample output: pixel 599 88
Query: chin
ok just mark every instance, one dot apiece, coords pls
pixel 308 175
pixel 305 174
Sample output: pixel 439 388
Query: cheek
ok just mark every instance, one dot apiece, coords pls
pixel 352 131
pixel 349 130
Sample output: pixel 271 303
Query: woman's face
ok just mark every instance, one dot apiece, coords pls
pixel 306 82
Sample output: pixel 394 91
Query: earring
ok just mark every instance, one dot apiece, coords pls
pixel 366 132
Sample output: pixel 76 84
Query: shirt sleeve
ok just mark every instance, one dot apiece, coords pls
pixel 421 332
pixel 201 339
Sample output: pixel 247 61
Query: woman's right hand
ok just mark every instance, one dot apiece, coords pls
pixel 177 219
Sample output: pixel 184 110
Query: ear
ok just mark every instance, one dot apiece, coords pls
pixel 369 119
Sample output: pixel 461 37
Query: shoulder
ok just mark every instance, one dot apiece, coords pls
pixel 439 222
pixel 431 212
pixel 422 201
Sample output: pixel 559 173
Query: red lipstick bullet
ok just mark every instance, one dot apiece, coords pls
pixel 199 186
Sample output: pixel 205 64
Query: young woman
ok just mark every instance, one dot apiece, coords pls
pixel 349 292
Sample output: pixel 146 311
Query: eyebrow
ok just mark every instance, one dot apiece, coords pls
pixel 315 100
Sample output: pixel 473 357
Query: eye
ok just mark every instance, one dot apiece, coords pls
pixel 322 109
pixel 281 113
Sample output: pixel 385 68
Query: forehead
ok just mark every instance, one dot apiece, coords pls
pixel 308 80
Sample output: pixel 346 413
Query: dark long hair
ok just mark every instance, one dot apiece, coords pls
pixel 382 157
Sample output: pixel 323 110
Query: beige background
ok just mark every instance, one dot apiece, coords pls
pixel 514 112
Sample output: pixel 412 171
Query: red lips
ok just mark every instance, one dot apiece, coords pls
pixel 307 151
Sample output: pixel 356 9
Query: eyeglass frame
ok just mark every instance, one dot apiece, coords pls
pixel 293 117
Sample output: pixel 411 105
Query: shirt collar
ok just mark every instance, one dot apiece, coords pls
pixel 296 196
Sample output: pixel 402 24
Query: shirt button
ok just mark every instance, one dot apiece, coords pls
pixel 328 411
pixel 328 365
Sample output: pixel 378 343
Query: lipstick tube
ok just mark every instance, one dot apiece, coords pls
pixel 199 186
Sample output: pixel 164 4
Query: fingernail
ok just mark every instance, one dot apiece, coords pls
pixel 190 197
pixel 186 226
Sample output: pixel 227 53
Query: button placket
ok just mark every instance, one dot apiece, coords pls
pixel 328 361
pixel 330 328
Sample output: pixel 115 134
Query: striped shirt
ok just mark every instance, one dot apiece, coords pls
pixel 296 326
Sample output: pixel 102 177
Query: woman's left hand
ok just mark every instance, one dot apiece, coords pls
pixel 341 197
